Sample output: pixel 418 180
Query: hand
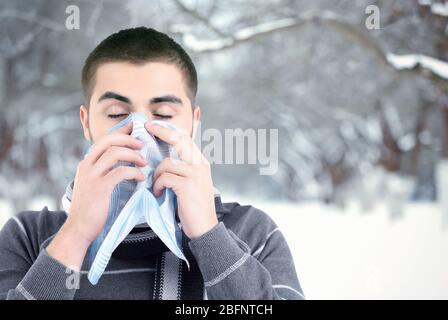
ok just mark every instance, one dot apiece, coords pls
pixel 94 182
pixel 190 179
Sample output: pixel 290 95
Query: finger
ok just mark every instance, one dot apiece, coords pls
pixel 114 154
pixel 166 180
pixel 121 173
pixel 181 142
pixel 116 139
pixel 172 165
pixel 170 136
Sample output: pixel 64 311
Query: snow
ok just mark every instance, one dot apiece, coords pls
pixel 39 202
pixel 410 61
pixel 373 129
pixel 406 142
pixel 441 173
pixel 6 210
pixel 351 254
pixel 424 2
pixel 440 9
pixel 250 32
pixel 437 8
pixel 199 45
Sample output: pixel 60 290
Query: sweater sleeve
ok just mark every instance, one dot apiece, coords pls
pixel 28 272
pixel 231 271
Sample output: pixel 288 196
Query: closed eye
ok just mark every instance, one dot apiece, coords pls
pixel 114 116
pixel 161 116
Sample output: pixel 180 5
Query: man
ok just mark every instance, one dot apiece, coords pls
pixel 235 252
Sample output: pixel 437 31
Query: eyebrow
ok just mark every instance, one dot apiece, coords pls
pixel 166 98
pixel 116 96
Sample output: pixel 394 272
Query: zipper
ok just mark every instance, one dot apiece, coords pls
pixel 138 237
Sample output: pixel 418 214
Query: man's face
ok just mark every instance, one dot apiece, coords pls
pixel 155 89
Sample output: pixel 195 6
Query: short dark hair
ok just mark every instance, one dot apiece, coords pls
pixel 138 46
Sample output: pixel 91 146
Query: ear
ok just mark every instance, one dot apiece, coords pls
pixel 84 117
pixel 196 120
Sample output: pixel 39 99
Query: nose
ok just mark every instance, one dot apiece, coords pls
pixel 144 111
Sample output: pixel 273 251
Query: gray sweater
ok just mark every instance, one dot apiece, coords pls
pixel 244 257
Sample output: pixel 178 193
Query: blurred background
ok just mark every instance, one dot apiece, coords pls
pixel 361 191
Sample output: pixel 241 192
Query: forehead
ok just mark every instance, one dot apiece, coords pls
pixel 139 80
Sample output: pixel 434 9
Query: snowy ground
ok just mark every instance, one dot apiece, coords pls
pixel 350 255
pixel 353 255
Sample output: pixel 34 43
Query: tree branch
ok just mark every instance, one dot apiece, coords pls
pixel 94 18
pixel 426 66
pixel 30 17
pixel 23 44
pixel 199 17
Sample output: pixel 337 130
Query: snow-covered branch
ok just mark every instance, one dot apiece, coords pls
pixel 242 35
pixel 439 9
pixel 427 66
pixel 414 61
pixel 183 7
